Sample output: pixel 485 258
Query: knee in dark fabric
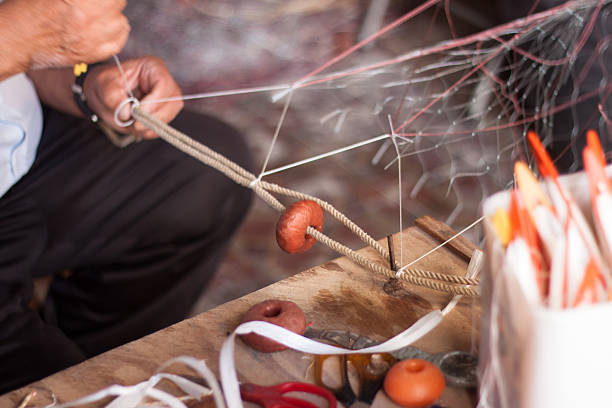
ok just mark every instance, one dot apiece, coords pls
pixel 209 200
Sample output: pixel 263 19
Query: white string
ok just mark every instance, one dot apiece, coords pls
pixel 442 244
pixel 276 133
pixel 325 155
pixel 125 81
pixel 370 68
pixel 131 99
pixel 399 190
pixel 229 92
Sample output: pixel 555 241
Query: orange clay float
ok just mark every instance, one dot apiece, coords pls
pixel 414 383
pixel 282 313
pixel 291 227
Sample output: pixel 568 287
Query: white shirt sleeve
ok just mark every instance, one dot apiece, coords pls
pixel 20 129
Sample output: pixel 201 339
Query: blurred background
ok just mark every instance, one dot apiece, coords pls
pixel 214 45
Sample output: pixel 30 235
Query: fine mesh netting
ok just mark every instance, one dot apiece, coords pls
pixel 458 105
pixel 461 108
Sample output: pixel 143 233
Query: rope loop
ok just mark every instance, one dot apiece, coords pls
pixel 134 103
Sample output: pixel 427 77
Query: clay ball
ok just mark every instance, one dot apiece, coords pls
pixel 291 227
pixel 279 312
pixel 414 383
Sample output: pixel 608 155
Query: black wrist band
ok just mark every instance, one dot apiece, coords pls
pixel 80 72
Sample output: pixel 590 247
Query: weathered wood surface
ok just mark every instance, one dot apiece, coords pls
pixel 335 295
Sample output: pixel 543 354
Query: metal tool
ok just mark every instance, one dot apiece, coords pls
pixel 370 368
pixel 274 396
pixel 458 367
pixel 391 257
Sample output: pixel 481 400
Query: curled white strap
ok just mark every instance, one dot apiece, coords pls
pixel 134 103
pixel 200 367
pixel 190 388
pixel 164 397
pixel 227 369
pixel 134 396
pixel 112 391
pixel 131 396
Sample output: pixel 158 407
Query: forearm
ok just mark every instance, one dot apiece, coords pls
pixel 15 40
pixel 54 88
pixel 58 33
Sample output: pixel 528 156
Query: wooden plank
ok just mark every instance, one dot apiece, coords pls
pixel 442 232
pixel 336 295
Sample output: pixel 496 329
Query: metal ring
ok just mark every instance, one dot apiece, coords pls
pixel 459 368
pixel 135 102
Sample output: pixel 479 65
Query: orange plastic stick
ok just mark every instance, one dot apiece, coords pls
pixel 596 172
pixel 523 227
pixel 589 283
pixel 594 144
pixel 598 184
pixel 530 188
pixel 545 164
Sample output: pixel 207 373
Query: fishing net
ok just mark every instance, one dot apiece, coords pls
pixel 443 111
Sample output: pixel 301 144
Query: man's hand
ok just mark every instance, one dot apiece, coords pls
pixel 78 31
pixel 54 33
pixel 148 78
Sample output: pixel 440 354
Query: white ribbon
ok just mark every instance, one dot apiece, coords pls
pixel 227 368
pixel 132 396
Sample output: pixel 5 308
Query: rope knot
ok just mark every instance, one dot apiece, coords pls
pixel 254 183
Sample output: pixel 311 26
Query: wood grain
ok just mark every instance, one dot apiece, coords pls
pixel 336 295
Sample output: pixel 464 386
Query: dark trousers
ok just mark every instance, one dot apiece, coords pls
pixel 140 229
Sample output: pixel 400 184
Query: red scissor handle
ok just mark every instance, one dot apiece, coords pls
pixel 273 397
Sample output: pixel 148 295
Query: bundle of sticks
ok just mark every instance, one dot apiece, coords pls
pixel 559 253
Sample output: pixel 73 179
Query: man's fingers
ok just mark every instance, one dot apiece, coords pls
pixel 141 130
pixel 125 113
pixel 151 81
pixel 164 111
pixel 157 83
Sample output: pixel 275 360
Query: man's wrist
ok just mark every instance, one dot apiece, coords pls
pixel 78 90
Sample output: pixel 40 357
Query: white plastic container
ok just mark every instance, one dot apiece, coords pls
pixel 533 356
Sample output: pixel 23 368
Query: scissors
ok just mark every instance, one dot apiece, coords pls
pixel 274 396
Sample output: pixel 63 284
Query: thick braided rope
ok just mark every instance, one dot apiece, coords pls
pixel 245 178
pixel 205 155
pixel 364 236
pixel 160 127
pixel 376 267
pixel 460 280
